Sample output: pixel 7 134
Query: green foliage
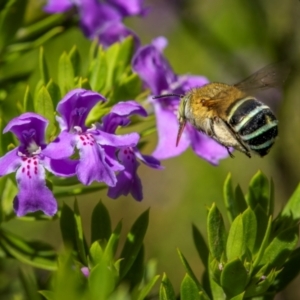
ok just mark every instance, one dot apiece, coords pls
pixel 255 257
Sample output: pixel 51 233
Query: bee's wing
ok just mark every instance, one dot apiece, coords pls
pixel 270 76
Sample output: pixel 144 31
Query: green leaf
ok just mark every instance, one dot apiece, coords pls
pixel 11 19
pixel 79 190
pixel 54 92
pixel 264 244
pixel 133 242
pixel 292 208
pixel 229 199
pixel 135 274
pixel 100 224
pixel 235 247
pixel 289 271
pixel 104 275
pixel 147 288
pixel 189 289
pixel 234 278
pixel 36 254
pixel 250 228
pixel 216 232
pixel 281 247
pixel 259 192
pixel 96 253
pixel 262 222
pixel 201 245
pixel 75 60
pixel 238 297
pixel 166 290
pixel 80 240
pixel 29 281
pixel 43 67
pixel 240 199
pixel 43 105
pixel 68 227
pixel 112 244
pixel 65 74
pixel 28 101
pixel 98 72
pixel 111 57
pixel 49 295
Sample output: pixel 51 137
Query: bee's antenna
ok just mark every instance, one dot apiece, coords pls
pixel 167 95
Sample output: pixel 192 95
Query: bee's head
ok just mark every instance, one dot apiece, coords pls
pixel 181 115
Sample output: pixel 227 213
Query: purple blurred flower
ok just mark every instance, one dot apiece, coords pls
pixel 99 145
pixel 102 19
pixel 157 74
pixel 29 160
pixel 85 271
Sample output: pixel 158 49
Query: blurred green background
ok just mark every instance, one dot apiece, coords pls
pixel 225 41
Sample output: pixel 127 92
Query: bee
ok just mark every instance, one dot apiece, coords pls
pixel 231 114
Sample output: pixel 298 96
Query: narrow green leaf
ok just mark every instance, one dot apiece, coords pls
pixel 133 242
pixel 80 240
pixel 49 295
pixel 65 74
pixel 216 232
pixel 147 288
pixel 189 289
pixel 43 105
pixel 75 60
pixel 96 254
pixel 100 224
pixel 29 281
pixel 234 278
pixel 11 19
pixel 264 244
pixel 289 271
pixel 106 276
pixel 229 199
pixel 135 274
pixel 166 290
pixel 235 247
pixel 98 72
pixel 28 101
pixel 201 245
pixel 259 192
pixel 111 57
pixel 54 92
pixel 36 254
pixel 67 227
pixel 250 228
pixel 191 273
pixel 262 222
pixel 216 291
pixel 281 247
pixel 238 297
pixel 112 244
pixel 292 208
pixel 43 67
pixel 79 190
pixel 240 199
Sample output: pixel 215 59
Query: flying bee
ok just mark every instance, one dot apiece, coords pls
pixel 231 115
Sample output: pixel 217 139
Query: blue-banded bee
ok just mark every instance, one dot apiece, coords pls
pixel 231 115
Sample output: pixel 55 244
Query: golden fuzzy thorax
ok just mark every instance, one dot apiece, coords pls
pixel 213 100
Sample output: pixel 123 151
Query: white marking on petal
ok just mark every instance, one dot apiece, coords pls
pixel 78 129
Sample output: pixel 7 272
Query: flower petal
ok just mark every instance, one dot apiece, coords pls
pixel 149 63
pixel 160 43
pixel 28 126
pixel 108 139
pixel 61 167
pixel 58 6
pixel 206 147
pixel 129 8
pixel 10 162
pixel 167 128
pixel 61 147
pixel 114 32
pixel 76 105
pixel 33 193
pixel 128 108
pixel 191 81
pixel 92 165
pixel 148 160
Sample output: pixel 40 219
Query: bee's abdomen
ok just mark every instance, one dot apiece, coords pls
pixel 255 124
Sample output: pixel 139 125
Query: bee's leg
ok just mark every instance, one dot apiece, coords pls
pixel 230 153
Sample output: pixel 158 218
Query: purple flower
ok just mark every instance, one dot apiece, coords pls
pixel 128 181
pixel 102 19
pixel 101 151
pixel 157 74
pixel 29 161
